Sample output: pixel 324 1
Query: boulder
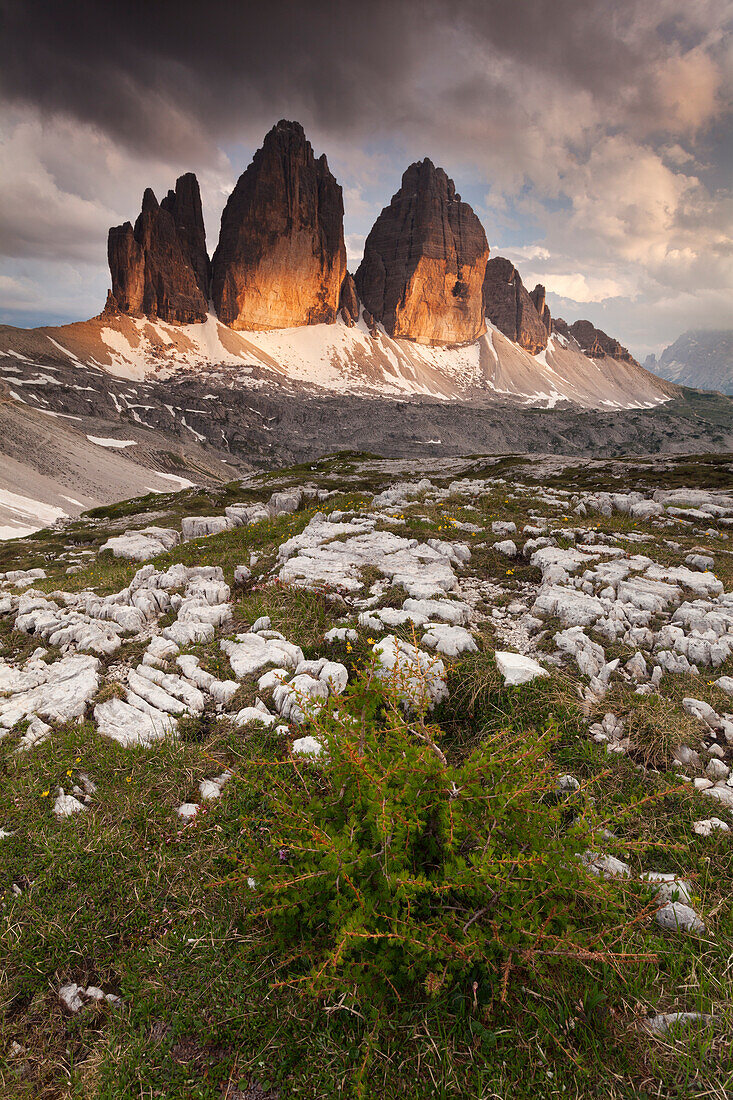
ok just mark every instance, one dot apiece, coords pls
pixel 509 306
pixel 281 258
pixel 518 669
pixel 424 262
pixel 159 269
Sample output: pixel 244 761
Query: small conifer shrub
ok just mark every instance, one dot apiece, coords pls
pixel 379 868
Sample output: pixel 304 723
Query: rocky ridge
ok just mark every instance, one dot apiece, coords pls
pixel 702 359
pixel 280 262
pixel 594 343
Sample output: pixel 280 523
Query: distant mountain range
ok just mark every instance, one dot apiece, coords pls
pixel 702 360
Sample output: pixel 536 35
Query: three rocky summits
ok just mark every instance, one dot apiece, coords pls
pixel 281 259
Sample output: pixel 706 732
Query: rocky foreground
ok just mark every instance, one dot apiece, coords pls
pixel 166 637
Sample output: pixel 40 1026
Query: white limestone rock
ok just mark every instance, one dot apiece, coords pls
pixel 251 652
pixel 604 866
pixel 130 726
pixel 160 650
pixel 212 788
pixel 340 634
pixel 66 805
pixel 273 678
pixel 300 698
pixel 36 733
pixel 317 555
pixel 451 641
pixel 677 917
pixel 721 793
pixel 196 527
pixel 669 887
pixel 140 545
pixel 242 576
pixel 518 669
pixel 189 633
pixel 662 1024
pixel 589 655
pixel 59 691
pixel 335 675
pixel 701 710
pixel 248 716
pixel 308 746
pixel 287 500
pixel 449 611
pixel 571 607
pixel 707 826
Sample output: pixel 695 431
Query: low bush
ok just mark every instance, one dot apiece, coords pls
pixel 380 868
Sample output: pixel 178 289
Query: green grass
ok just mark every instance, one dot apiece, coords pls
pixel 126 897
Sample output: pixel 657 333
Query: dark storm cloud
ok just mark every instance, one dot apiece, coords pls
pixel 590 136
pixel 132 69
pixel 168 75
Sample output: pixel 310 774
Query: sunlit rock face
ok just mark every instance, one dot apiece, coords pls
pixel 424 262
pixel 512 309
pixel 281 258
pixel 160 268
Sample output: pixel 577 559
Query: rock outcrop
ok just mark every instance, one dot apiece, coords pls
pixel 281 258
pixel 593 342
pixel 424 262
pixel 543 310
pixel 510 307
pixel 159 269
pixel 349 301
pixel 184 206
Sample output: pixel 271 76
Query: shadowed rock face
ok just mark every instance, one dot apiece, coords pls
pixel 511 308
pixel 281 257
pixel 184 205
pixel 160 268
pixel 593 341
pixel 349 301
pixel 424 262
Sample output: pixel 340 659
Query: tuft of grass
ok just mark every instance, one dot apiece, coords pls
pixel 656 725
pixel 304 615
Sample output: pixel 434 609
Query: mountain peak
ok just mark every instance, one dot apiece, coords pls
pixel 424 262
pixel 700 358
pixel 160 268
pixel 281 257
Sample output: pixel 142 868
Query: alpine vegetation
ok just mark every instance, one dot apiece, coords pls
pixel 344 779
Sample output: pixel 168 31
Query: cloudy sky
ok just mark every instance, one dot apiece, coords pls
pixel 592 137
